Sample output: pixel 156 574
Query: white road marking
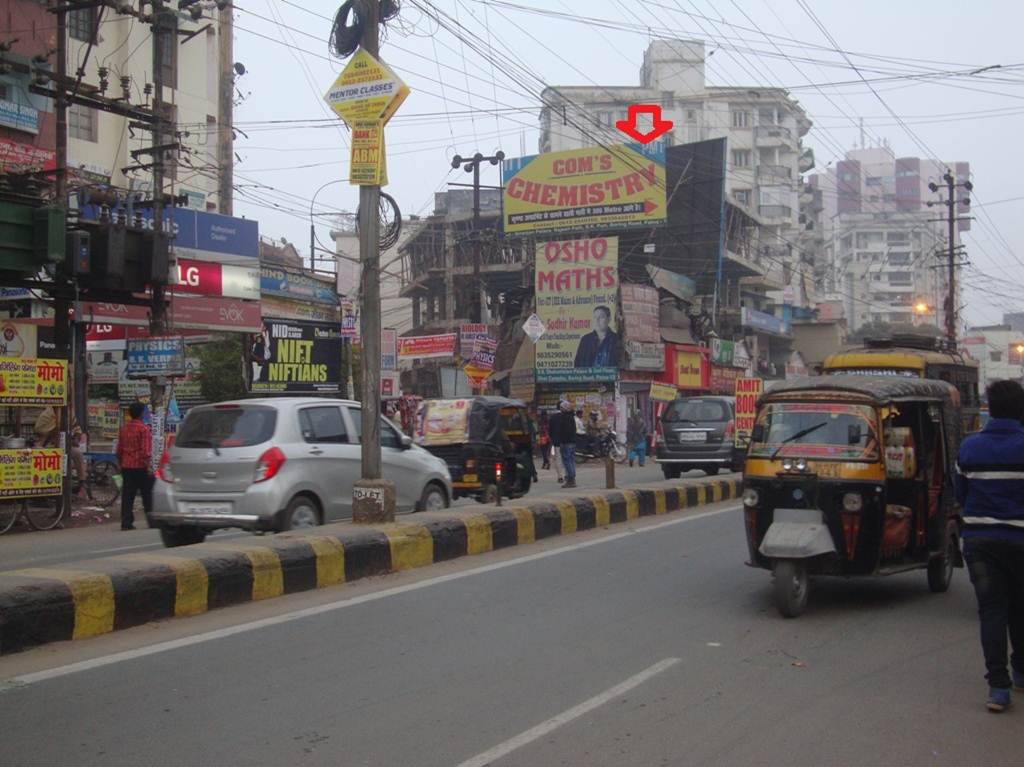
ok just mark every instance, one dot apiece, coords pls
pixel 535 733
pixel 209 636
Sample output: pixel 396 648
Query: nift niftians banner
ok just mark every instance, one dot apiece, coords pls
pixel 291 357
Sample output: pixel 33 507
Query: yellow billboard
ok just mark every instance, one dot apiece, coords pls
pixel 585 189
pixel 577 285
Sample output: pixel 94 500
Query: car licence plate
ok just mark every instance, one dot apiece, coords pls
pixel 207 508
pixel 693 436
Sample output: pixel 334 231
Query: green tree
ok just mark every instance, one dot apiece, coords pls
pixel 221 370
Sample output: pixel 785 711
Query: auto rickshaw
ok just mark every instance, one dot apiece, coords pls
pixel 852 475
pixel 481 439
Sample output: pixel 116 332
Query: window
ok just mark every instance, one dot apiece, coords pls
pixel 169 61
pixel 82 123
pixel 873 181
pixel 388 436
pixel 899 259
pixel 995 356
pixel 742 196
pixel 741 158
pixel 227 426
pixel 691 115
pixel 3 91
pixel 604 119
pixel 741 119
pixel 901 278
pixel 82 24
pixel 323 424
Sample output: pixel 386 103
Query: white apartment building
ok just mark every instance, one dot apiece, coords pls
pixel 996 349
pixel 120 62
pixel 763 126
pixel 883 249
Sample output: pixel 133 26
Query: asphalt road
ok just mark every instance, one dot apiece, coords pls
pixel 641 644
pixel 22 548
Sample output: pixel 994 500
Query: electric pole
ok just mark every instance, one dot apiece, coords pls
pixel 952 249
pixel 373 498
pixel 226 109
pixel 472 165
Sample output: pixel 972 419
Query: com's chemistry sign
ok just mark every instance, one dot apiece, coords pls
pixel 585 189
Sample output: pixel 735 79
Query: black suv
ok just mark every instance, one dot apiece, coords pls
pixel 698 433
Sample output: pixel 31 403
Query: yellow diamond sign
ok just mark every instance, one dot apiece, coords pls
pixel 366 90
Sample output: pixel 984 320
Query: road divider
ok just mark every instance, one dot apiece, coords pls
pixel 94 597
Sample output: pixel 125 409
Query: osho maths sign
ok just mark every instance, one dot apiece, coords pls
pixel 577 283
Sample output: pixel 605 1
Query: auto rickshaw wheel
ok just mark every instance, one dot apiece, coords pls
pixel 791 587
pixel 940 569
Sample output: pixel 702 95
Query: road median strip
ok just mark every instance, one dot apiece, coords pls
pixel 94 597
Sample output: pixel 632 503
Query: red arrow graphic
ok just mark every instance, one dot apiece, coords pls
pixel 659 127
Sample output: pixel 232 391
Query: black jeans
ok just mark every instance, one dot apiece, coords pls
pixel 135 481
pixel 997 572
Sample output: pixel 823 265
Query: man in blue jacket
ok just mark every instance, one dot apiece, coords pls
pixel 990 487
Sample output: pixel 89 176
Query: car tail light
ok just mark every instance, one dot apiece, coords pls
pixel 269 465
pixel 730 429
pixel 163 471
pixel 470 464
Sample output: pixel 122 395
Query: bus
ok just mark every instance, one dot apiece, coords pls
pixel 915 357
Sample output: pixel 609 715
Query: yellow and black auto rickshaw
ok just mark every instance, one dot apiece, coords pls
pixel 852 475
pixel 484 441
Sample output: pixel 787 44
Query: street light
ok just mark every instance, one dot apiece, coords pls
pixel 921 308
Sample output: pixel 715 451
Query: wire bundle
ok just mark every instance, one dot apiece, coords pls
pixel 346 34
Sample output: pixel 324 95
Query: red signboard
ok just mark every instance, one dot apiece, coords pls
pixel 723 379
pixel 422 347
pixel 15 156
pixel 190 312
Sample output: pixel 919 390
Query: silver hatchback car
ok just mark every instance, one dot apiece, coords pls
pixel 280 464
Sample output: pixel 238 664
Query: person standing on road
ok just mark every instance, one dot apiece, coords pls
pixel 636 435
pixel 555 432
pixel 565 426
pixel 990 487
pixel 544 440
pixel 134 454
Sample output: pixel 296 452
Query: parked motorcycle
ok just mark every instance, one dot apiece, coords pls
pixel 599 447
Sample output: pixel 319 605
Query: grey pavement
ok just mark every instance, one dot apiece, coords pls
pixel 21 548
pixel 642 644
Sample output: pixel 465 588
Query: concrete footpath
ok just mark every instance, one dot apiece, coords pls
pixel 93 597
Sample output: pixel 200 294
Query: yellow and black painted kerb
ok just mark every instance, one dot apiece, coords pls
pixel 41 605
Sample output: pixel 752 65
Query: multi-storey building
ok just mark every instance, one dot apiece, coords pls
pixel 1000 351
pixel 882 246
pixel 763 126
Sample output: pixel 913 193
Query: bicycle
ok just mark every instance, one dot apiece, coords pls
pixel 47 512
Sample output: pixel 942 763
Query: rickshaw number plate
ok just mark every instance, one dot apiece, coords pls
pixel 693 436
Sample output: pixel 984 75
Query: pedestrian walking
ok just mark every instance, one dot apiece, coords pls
pixel 531 429
pixel 555 432
pixel 134 454
pixel 990 487
pixel 636 436
pixel 544 440
pixel 566 426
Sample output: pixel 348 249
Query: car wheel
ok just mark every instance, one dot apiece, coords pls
pixel 433 498
pixel 711 471
pixel 301 513
pixel 670 471
pixel 173 537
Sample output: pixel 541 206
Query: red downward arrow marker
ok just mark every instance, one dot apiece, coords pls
pixel 659 127
pixel 650 206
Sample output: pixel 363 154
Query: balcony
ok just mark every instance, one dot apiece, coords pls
pixel 773 135
pixel 773 174
pixel 775 214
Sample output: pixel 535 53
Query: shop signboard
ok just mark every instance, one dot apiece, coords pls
pixel 105 367
pixel 159 356
pixel 748 390
pixel 534 328
pixel 689 370
pixel 15 156
pixel 188 312
pixel 206 278
pixel 644 356
pixel 765 323
pixel 31 473
pixel 661 392
pixel 349 319
pixel 32 381
pixel 445 422
pixel 723 379
pixel 298 310
pixel 389 385
pixel 388 349
pixel 468 334
pixel 641 313
pixel 301 287
pixel 22 117
pixel 426 347
pixel 577 285
pixel 104 419
pixel 300 358
pixel 722 352
pixel 585 189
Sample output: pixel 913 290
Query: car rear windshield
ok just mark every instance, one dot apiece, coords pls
pixel 219 427
pixel 698 411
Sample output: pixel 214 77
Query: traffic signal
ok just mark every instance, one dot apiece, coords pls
pixel 30 237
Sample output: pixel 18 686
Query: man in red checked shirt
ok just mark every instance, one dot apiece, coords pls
pixel 134 453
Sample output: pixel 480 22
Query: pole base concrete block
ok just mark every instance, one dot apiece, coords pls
pixel 373 501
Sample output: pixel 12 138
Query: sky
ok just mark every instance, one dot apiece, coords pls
pixel 479 90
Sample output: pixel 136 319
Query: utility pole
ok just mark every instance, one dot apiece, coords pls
pixel 951 254
pixel 226 108
pixel 158 310
pixel 472 165
pixel 373 498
